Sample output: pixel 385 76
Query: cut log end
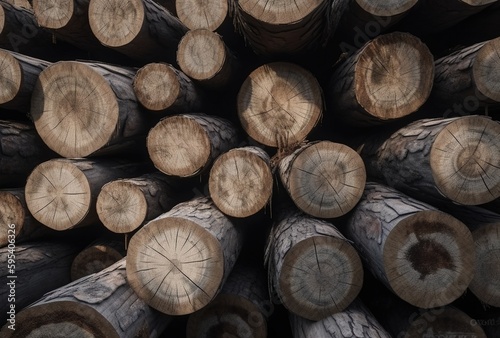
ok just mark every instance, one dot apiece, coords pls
pixel 11 216
pixel 394 76
pixel 486 70
pixel 58 194
pixel 179 274
pixel 478 2
pixel 386 8
pixel 429 259
pixel 202 14
pixel 465 160
pixel 53 14
pixel 94 259
pixel 332 282
pixel 279 13
pixel 74 109
pixel 11 76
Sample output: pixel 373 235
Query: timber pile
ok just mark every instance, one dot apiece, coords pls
pixel 237 168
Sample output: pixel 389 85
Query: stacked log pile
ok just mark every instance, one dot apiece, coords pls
pixel 246 168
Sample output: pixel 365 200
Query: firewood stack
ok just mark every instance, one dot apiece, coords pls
pixel 243 168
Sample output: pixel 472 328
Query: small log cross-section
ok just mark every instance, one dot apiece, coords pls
pixel 99 305
pixel 186 144
pixel 388 78
pixel 208 14
pixel 313 270
pixel 324 179
pixel 279 104
pixel 241 181
pixel 178 262
pixel 423 255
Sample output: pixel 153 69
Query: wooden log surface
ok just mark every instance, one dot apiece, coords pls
pixel 209 14
pixel 20 3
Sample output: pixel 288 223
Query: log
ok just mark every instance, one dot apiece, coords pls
pixel 388 78
pixel 202 14
pixel 62 193
pixel 99 305
pixel 178 262
pixel 162 88
pixel 440 159
pixel 20 3
pixel 17 79
pixel 83 108
pixel 324 179
pixel 125 205
pixel 313 270
pixel 279 103
pixel 185 145
pixel 425 256
pixel 241 181
pixel 140 29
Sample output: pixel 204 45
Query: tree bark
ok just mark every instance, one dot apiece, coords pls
pixel 425 256
pixel 313 270
pixel 82 108
pixel 324 179
pixel 99 305
pixel 388 78
pixel 140 29
pixel 20 3
pixel 241 181
pixel 62 193
pixel 279 104
pixel 179 261
pixel 439 159
pixel 185 145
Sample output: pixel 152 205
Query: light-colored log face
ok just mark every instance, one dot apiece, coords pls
pixel 121 206
pixel 74 109
pixel 320 276
pixel 93 259
pixel 240 183
pixel 386 8
pixel 11 212
pixel 175 265
pixel 195 14
pixel 279 104
pixel 156 86
pixel 478 2
pixel 58 194
pixel 53 14
pixel 116 23
pixel 327 179
pixel 394 75
pixel 11 76
pixel 429 259
pixel 486 70
pixel 178 146
pixel 465 160
pixel 279 12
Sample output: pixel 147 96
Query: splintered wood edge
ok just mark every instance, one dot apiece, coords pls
pixel 429 259
pixel 179 146
pixel 175 265
pixel 465 160
pixel 279 104
pixel 320 276
pixel 386 8
pixel 74 109
pixel 93 259
pixel 156 86
pixel 195 14
pixel 58 194
pixel 288 12
pixel 53 14
pixel 11 212
pixel 11 76
pixel 327 179
pixel 240 183
pixel 394 75
pixel 486 70
pixel 115 23
pixel 121 206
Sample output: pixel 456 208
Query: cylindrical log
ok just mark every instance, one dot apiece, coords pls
pixel 99 305
pixel 386 79
pixel 160 87
pixel 179 261
pixel 313 269
pixel 185 145
pixel 209 14
pixel 454 159
pixel 62 193
pixel 241 181
pixel 423 255
pixel 125 205
pixel 324 179
pixel 140 29
pixel 279 104
pixel 20 3
pixel 80 108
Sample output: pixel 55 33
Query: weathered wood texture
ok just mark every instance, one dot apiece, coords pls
pixel 209 14
pixel 423 255
pixel 99 305
pixel 179 261
pixel 20 3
